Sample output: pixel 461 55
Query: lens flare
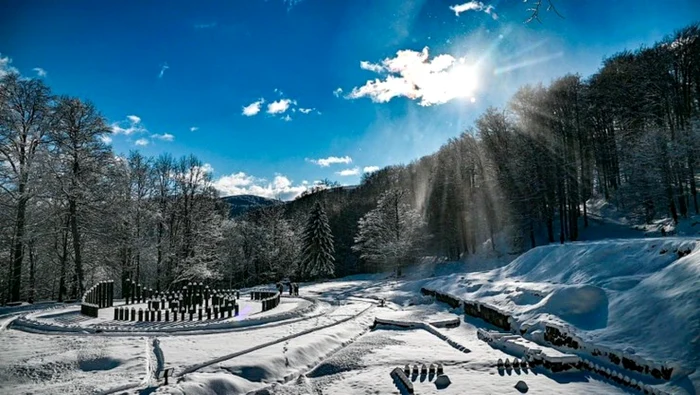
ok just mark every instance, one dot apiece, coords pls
pixel 464 80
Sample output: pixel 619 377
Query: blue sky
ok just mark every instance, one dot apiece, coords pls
pixel 184 77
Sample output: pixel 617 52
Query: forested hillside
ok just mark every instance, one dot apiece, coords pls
pixel 629 134
pixel 74 212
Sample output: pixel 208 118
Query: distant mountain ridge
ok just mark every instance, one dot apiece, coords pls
pixel 240 204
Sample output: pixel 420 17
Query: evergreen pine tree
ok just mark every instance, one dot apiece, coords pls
pixel 317 248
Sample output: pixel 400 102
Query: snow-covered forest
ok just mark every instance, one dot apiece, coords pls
pixel 75 212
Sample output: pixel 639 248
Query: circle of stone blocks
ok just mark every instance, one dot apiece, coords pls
pixel 192 301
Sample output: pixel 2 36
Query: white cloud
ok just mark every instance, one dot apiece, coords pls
pixel 243 184
pixel 414 75
pixel 40 72
pixel 279 106
pixel 164 137
pixel 141 142
pixel 194 129
pixel 162 70
pixel 338 92
pixel 474 6
pixel 331 160
pixel 5 67
pixel 207 168
pixel 276 107
pixel 131 125
pixel 253 108
pixel 348 172
pixel 106 139
pixel 377 68
pixel 370 169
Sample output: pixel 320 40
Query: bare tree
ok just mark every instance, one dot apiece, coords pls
pixel 80 155
pixel 24 108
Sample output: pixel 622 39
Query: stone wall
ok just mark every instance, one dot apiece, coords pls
pixel 490 314
pixel 559 336
pixel 556 336
pixel 99 296
pixel 269 299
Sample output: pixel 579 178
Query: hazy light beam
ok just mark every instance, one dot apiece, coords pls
pixel 526 63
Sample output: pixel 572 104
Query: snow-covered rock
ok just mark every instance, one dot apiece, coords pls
pixel 521 386
pixel 442 381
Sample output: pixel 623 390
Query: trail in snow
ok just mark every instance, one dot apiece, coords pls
pixel 270 343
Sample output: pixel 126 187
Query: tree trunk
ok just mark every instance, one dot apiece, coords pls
pixel 75 233
pixel 64 259
pixel 159 247
pixel 32 272
pixel 17 253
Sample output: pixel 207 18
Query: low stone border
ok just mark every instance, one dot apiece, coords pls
pixel 558 363
pixel 425 326
pixel 560 336
pixel 557 336
pixel 32 323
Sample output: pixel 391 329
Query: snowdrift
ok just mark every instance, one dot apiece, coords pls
pixel 640 296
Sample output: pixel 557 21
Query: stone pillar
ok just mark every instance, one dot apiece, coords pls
pixel 125 291
pixel 110 294
pixel 140 315
pixel 133 314
pixel 208 313
pixel 182 315
pixel 167 315
pixel 200 313
pixel 236 309
pixel 116 314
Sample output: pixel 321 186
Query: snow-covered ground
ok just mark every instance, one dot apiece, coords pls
pixel 638 296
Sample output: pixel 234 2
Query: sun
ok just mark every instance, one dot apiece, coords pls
pixel 464 80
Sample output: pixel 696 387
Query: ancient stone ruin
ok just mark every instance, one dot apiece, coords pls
pixel 194 301
pixel 99 296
